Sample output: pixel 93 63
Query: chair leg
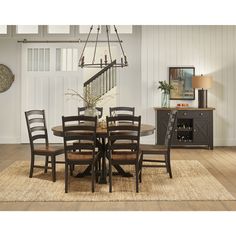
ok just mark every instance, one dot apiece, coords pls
pixel 110 177
pixel 99 164
pixel 137 175
pixel 140 168
pixel 46 165
pixel 93 178
pixel 169 166
pixel 53 168
pixel 96 171
pixel 31 166
pixel 71 169
pixel 66 178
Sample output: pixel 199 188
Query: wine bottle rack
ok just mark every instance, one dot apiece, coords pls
pixel 184 130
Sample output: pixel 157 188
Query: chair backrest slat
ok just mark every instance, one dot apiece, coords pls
pixel 117 127
pixel 127 136
pixel 37 128
pixel 79 127
pixel 124 146
pixel 36 120
pixel 39 136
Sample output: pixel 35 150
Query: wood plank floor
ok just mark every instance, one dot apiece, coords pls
pixel 220 162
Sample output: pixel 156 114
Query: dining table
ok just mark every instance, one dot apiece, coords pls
pixel 101 133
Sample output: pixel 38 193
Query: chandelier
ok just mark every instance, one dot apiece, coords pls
pixel 107 58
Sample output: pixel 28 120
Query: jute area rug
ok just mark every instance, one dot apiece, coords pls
pixel 191 181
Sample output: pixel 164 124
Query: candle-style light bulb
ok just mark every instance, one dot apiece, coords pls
pixel 126 61
pixel 82 61
pixel 101 62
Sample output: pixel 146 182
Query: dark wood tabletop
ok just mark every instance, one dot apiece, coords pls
pixel 145 130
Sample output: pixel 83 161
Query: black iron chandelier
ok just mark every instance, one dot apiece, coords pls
pixel 106 59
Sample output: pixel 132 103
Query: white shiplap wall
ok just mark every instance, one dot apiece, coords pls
pixel 211 50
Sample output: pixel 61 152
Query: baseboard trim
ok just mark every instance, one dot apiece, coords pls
pixel 225 142
pixel 10 140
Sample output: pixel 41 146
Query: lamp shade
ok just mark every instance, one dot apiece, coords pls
pixel 203 82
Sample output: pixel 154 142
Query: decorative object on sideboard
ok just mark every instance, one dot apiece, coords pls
pixel 182 105
pixel 6 78
pixel 108 57
pixel 165 95
pixel 181 79
pixel 203 83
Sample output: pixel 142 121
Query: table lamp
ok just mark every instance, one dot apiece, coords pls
pixel 202 82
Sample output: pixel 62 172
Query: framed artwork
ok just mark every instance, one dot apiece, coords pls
pixel 181 79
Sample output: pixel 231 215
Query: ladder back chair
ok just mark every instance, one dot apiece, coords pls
pixel 123 144
pixel 37 130
pixel 81 111
pixel 116 111
pixel 79 134
pixel 160 150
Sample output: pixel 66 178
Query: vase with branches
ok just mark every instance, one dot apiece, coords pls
pixel 89 98
pixel 165 89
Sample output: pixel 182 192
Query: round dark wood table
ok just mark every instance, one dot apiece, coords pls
pixel 102 132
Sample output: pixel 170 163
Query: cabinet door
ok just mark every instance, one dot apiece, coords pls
pixel 201 132
pixel 161 124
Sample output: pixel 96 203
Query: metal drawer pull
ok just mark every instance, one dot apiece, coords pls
pixel 201 114
pixel 185 113
pixel 168 113
pixel 175 130
pixel 194 130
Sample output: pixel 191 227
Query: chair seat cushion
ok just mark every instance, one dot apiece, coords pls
pixel 153 149
pixel 48 150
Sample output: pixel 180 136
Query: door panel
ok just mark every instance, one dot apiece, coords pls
pixel 201 132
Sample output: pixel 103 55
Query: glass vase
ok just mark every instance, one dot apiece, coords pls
pixel 91 111
pixel 165 100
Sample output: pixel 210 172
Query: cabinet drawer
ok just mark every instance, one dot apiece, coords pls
pixel 193 114
pixel 201 114
pixel 184 114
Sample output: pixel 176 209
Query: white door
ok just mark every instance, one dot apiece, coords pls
pixel 48 71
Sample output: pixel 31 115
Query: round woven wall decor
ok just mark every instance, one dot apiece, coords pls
pixel 6 78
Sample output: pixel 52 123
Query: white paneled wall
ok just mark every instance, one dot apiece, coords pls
pixel 211 50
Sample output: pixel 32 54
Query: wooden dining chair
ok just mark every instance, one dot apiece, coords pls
pixel 37 130
pixel 160 150
pixel 116 111
pixel 79 134
pixel 81 111
pixel 123 144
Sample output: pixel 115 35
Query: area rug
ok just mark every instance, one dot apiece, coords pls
pixel 191 181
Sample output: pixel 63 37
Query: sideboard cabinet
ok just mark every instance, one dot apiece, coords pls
pixel 193 127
